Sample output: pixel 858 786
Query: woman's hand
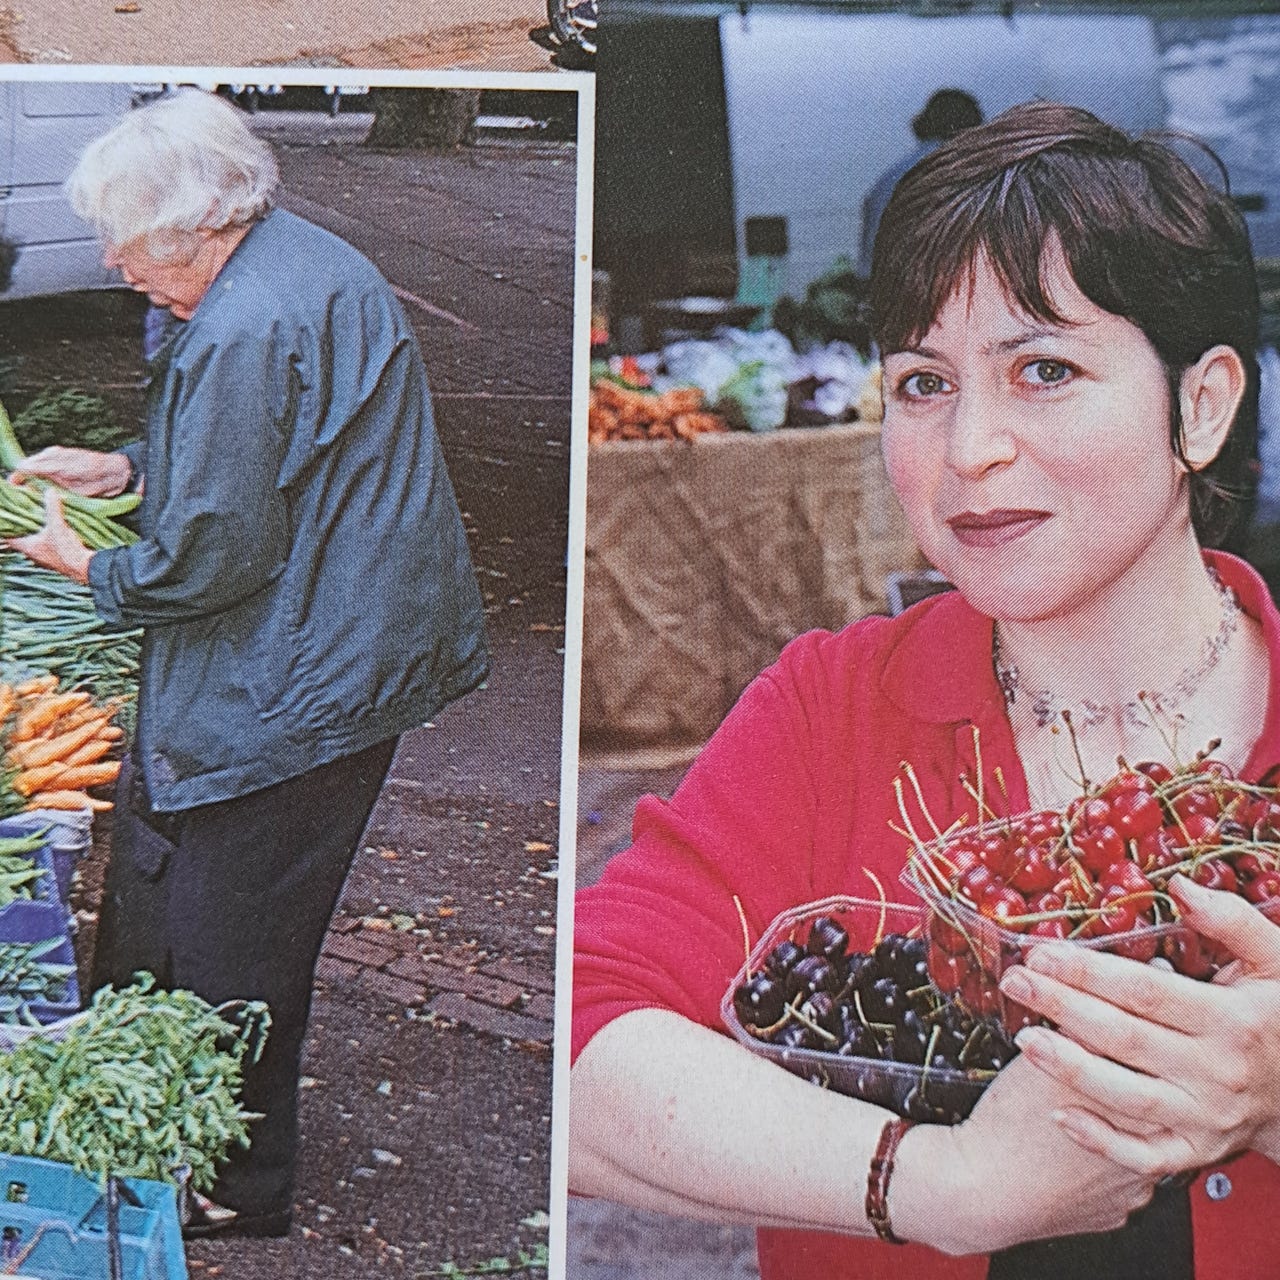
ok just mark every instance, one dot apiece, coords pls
pixel 85 471
pixel 1194 1061
pixel 1009 1173
pixel 56 546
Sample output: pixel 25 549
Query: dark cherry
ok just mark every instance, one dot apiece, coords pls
pixel 813 973
pixel 783 958
pixel 827 938
pixel 759 1002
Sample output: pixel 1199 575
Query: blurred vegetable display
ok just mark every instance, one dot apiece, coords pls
pixel 735 380
pixel 834 309
pixel 69 416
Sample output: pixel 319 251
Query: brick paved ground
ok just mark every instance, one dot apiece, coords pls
pixel 500 997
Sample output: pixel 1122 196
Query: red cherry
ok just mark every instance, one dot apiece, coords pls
pixel 1094 812
pixel 980 992
pixel 1214 873
pixel 975 883
pixel 1130 781
pixel 997 855
pixel 1015 1016
pixel 1129 880
pixel 1003 905
pixel 1196 800
pixel 1141 948
pixel 1212 768
pixel 1192 955
pixel 1157 772
pixel 948 971
pixel 963 858
pixel 1198 829
pixel 1263 887
pixel 1044 828
pixel 1100 848
pixel 1117 914
pixel 1157 849
pixel 1033 873
pixel 1136 813
pixel 1055 929
pixel 945 936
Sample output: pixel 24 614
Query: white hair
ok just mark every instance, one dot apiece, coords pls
pixel 185 163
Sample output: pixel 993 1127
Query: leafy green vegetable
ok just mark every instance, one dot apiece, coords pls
pixel 142 1083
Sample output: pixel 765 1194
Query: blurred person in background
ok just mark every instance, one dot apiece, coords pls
pixel 944 115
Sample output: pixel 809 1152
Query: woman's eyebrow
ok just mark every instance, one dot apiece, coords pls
pixel 1036 335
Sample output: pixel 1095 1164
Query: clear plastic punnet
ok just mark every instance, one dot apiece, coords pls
pixel 836 992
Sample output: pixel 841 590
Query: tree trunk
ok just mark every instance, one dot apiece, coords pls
pixel 424 117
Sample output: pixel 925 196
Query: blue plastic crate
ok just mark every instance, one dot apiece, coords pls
pixel 44 915
pixel 70 837
pixel 53 1225
pixel 46 1011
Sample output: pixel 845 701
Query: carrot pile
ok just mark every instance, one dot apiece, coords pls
pixel 58 744
pixel 622 413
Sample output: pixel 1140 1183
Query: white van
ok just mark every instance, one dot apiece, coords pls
pixel 44 126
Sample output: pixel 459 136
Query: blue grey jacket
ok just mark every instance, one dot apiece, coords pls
pixel 302 575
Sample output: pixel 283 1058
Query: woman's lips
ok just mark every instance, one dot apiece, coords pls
pixel 994 528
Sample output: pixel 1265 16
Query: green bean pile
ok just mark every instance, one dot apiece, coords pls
pixel 142 1083
pixel 50 624
pixel 26 976
pixel 19 875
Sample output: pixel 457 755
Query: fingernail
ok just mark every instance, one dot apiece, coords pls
pixel 1033 1039
pixel 1016 985
pixel 1044 959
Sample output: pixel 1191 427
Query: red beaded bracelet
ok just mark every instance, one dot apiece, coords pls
pixel 879 1175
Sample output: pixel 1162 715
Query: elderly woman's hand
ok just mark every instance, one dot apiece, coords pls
pixel 1195 1061
pixel 86 471
pixel 56 546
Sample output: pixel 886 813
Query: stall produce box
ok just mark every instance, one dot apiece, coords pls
pixel 54 1225
pixel 704 559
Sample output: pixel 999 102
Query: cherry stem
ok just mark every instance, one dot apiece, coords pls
pixel 977 756
pixel 746 933
pixel 924 808
pixel 1065 713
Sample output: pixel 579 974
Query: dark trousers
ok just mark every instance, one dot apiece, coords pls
pixel 231 901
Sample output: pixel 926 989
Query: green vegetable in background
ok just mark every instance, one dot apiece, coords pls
pixel 50 624
pixel 143 1082
pixel 26 976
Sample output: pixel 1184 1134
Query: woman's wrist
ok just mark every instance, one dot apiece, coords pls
pixel 926 1198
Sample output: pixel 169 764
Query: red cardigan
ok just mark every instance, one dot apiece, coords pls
pixel 791 801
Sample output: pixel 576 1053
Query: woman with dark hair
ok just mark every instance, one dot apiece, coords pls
pixel 1067 320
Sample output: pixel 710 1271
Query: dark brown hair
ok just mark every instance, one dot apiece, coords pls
pixel 1144 237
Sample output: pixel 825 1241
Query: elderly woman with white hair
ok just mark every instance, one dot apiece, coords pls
pixel 302 577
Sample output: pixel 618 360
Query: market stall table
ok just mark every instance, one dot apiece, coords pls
pixel 703 559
